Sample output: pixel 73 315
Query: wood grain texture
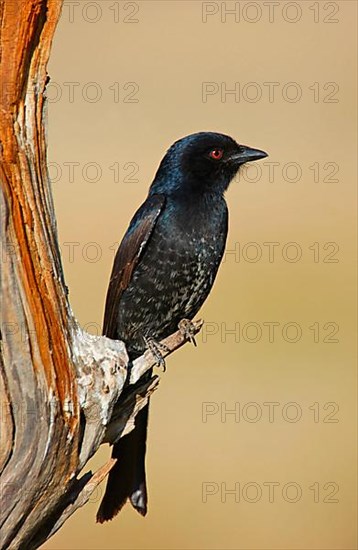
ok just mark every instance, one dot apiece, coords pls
pixel 59 385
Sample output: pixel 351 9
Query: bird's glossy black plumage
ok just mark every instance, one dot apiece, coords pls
pixel 163 272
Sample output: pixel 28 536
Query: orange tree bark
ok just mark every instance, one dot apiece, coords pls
pixel 59 385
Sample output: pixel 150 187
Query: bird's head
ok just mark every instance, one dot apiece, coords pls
pixel 202 161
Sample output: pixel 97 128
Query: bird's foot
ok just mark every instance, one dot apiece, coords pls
pixel 156 348
pixel 187 329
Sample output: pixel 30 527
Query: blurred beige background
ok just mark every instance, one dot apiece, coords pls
pixel 128 78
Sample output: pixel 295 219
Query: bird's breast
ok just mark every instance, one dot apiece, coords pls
pixel 174 275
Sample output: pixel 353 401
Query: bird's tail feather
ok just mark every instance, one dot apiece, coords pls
pixel 127 478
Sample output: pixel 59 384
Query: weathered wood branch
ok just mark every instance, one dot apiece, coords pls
pixel 59 385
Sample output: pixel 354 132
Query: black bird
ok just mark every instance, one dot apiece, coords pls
pixel 163 272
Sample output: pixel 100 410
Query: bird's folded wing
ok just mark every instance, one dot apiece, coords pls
pixel 128 255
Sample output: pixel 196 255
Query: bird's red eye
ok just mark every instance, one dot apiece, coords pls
pixel 216 154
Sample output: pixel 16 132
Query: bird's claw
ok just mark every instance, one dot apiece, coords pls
pixel 156 348
pixel 187 329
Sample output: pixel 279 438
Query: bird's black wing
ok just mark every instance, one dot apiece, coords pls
pixel 128 254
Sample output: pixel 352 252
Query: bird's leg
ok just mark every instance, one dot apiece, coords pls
pixel 187 329
pixel 155 348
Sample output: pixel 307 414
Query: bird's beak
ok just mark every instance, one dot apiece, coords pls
pixel 247 154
